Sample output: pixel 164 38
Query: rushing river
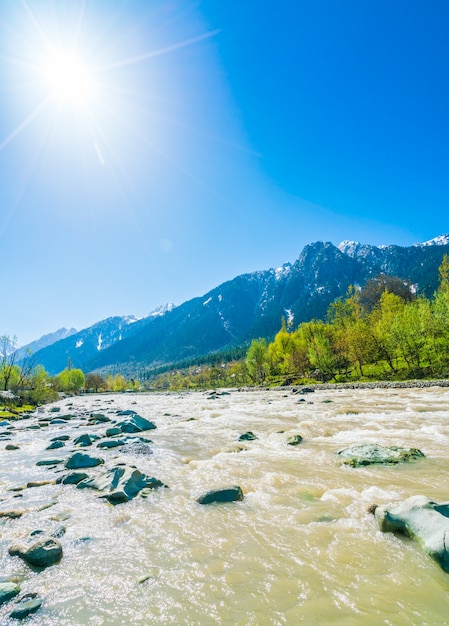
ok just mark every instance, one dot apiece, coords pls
pixel 299 549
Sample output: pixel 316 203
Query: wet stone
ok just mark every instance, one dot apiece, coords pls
pixel 81 460
pixel 44 552
pixel 110 443
pixel 364 454
pixel 227 494
pixel 294 440
pixel 26 606
pixel 72 478
pixel 49 462
pixel 248 436
pixel 8 591
pixel 55 445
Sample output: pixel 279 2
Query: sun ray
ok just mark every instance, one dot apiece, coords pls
pixel 37 159
pixel 155 53
pixel 168 158
pixel 24 123
pixel 35 22
pixel 28 66
pixel 79 25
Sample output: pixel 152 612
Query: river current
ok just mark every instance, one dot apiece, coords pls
pixel 300 548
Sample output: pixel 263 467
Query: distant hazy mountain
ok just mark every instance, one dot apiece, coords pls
pixel 249 306
pixel 80 348
pixel 43 342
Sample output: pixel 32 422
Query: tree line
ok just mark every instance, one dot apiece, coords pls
pixel 29 383
pixel 381 331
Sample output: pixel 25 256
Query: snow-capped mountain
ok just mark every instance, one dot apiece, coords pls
pixel 247 307
pixel 441 240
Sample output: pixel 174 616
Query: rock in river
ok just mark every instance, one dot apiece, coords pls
pixel 27 605
pixel 8 591
pixel 363 454
pixel 121 484
pixel 227 494
pixel 42 553
pixel 423 520
pixel 135 424
pixel 79 459
pixel 248 436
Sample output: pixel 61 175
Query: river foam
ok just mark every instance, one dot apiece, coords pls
pixel 300 547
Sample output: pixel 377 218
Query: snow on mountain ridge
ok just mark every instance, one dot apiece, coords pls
pixel 441 240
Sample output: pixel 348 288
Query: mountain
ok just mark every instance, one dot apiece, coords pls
pixel 249 306
pixel 43 342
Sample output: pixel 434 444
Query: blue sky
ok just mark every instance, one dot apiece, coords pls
pixel 218 138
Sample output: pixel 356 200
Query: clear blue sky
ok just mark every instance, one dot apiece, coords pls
pixel 217 137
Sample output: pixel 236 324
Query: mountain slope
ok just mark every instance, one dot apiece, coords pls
pixel 246 307
pixel 43 342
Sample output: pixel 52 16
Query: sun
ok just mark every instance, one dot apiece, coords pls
pixel 67 77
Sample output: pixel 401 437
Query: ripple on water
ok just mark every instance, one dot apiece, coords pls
pixel 300 548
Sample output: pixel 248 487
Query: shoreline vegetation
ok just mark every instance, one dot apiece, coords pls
pixel 380 335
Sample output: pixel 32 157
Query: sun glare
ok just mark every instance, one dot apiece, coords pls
pixel 67 77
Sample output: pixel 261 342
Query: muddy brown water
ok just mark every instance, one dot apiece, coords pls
pixel 299 549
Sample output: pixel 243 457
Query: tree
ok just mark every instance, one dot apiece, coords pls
pixel 372 291
pixel 95 382
pixel 322 351
pixel 257 361
pixel 9 371
pixel 71 380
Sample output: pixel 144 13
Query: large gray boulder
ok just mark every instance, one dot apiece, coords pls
pixel 423 520
pixel 44 552
pixel 363 454
pixel 121 484
pixel 226 494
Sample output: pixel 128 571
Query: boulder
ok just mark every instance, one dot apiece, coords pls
pixel 248 436
pixel 135 424
pixel 363 454
pixel 99 418
pixel 110 443
pixel 44 552
pixel 227 494
pixel 423 520
pixel 49 462
pixel 11 446
pixel 113 431
pixel 55 445
pixel 121 483
pixel 8 591
pixel 72 478
pixel 84 440
pixel 60 438
pixel 27 605
pixel 294 440
pixel 80 459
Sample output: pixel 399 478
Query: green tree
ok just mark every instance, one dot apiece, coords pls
pixel 71 380
pixel 257 360
pixel 9 371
